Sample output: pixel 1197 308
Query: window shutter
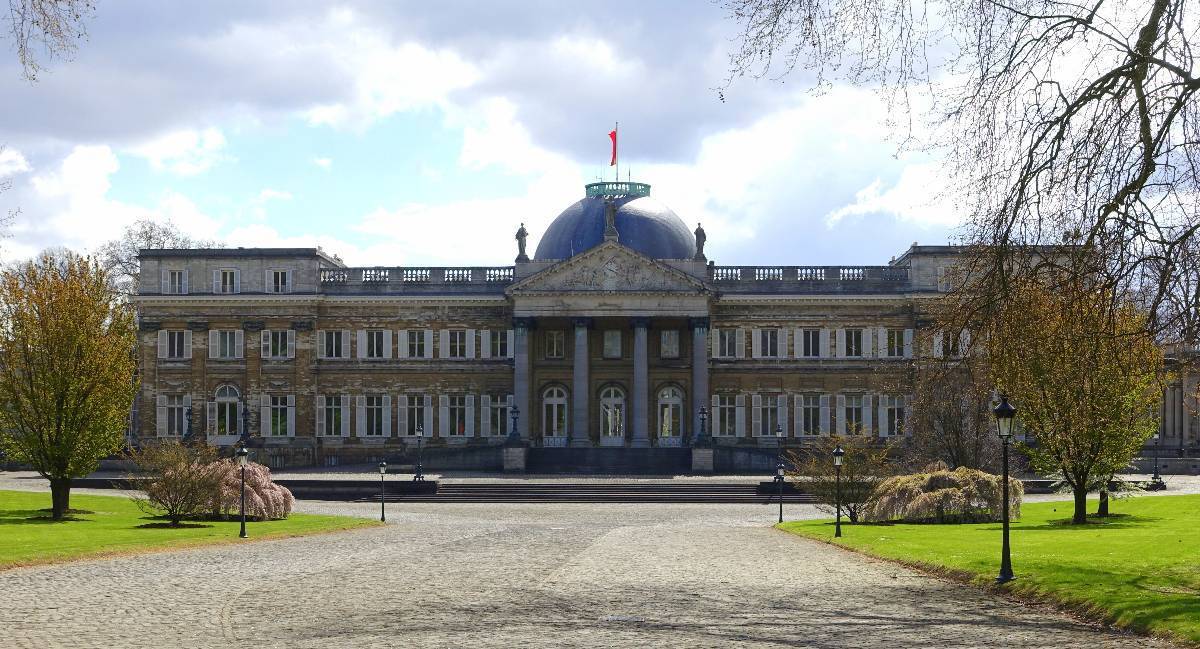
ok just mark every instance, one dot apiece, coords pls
pixel 470 343
pixel 825 351
pixel 429 354
pixel 840 352
pixel 798 410
pixel 798 343
pixel 185 281
pixel 470 427
pixel 937 345
pixel 881 342
pixel 444 343
pixel 907 404
pixel 239 344
pixel 756 414
pixel 321 343
pixel 941 278
pixel 824 414
pixel 964 342
pixel 402 343
pixel 508 424
pixel 512 342
pixel 362 343
pixel 715 342
pixel 387 415
pixel 216 281
pixel 268 285
pixel 756 344
pixel 841 414
pixel 346 343
pixel 287 281
pixel 264 415
pixel 240 424
pixel 444 415
pixel 428 415
pixel 485 343
pixel 402 415
pixel 320 428
pixel 291 343
pixel 187 344
pixel 868 339
pixel 344 400
pixel 885 425
pixel 485 416
pixel 360 415
pixel 291 415
pixel 782 350
pixel 741 343
pixel 866 417
pixel 210 418
pixel 237 281
pixel 160 424
pixel 387 344
pixel 212 343
pixel 187 420
pixel 782 409
pixel 740 414
pixel 908 340
pixel 162 343
pixel 266 343
pixel 166 282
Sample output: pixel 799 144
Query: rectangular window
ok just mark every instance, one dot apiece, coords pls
pixel 895 343
pixel 175 282
pixel 175 415
pixel 727 343
pixel 375 343
pixel 669 344
pixel 854 342
pixel 227 418
pixel 556 344
pixel 416 343
pixel 810 343
pixel 853 414
pixel 175 344
pixel 227 345
pixel 331 344
pixel 725 417
pixel 414 418
pixel 279 416
pixel 229 283
pixel 768 415
pixel 810 414
pixel 278 346
pixel 893 421
pixel 499 414
pixel 769 342
pixel 458 415
pixel 950 345
pixel 458 343
pixel 279 282
pixel 612 344
pixel 334 416
pixel 374 412
pixel 499 344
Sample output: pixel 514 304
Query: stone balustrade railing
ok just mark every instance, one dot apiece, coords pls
pixel 408 276
pixel 725 275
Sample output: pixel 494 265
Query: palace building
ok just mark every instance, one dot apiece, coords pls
pixel 617 346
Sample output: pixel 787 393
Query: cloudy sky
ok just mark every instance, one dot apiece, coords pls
pixel 425 133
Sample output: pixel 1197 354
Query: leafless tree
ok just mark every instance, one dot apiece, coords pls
pixel 120 256
pixel 45 29
pixel 1059 122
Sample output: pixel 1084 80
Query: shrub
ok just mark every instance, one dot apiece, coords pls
pixel 183 479
pixel 265 500
pixel 865 465
pixel 942 496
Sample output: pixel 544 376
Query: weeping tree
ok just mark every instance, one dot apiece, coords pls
pixel 1058 122
pixel 66 368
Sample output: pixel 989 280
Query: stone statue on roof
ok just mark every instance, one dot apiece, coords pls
pixel 700 239
pixel 522 235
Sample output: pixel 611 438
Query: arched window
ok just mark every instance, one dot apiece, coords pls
pixel 612 412
pixel 225 413
pixel 670 412
pixel 554 412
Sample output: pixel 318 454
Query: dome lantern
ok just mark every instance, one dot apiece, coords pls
pixel 642 224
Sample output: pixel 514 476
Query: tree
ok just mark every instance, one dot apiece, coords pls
pixel 66 374
pixel 120 256
pixel 184 479
pixel 1084 373
pixel 1058 121
pixel 46 28
pixel 864 466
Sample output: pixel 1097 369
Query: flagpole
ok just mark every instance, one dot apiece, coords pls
pixel 616 151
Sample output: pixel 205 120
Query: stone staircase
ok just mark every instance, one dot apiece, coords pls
pixel 603 492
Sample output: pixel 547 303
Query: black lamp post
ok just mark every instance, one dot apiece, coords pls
pixel 242 456
pixel 513 435
pixel 187 424
pixel 382 488
pixel 779 487
pixel 245 424
pixel 838 454
pixel 1156 481
pixel 1005 414
pixel 418 474
pixel 702 438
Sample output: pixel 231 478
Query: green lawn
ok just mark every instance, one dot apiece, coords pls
pixel 1140 569
pixel 28 536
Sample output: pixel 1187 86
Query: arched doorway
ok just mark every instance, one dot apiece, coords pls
pixel 612 416
pixel 670 416
pixel 554 416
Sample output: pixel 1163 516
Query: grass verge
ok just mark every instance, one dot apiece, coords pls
pixel 1138 569
pixel 113 525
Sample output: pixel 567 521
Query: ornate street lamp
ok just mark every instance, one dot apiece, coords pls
pixel 245 437
pixel 418 475
pixel 382 488
pixel 779 487
pixel 242 456
pixel 1156 481
pixel 1005 415
pixel 702 439
pixel 838 454
pixel 513 435
pixel 187 424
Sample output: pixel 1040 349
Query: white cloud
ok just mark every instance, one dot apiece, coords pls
pixel 12 162
pixel 186 152
pixel 269 194
pixel 917 197
pixel 324 163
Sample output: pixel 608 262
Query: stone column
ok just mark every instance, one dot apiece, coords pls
pixel 641 384
pixel 580 390
pixel 521 331
pixel 700 393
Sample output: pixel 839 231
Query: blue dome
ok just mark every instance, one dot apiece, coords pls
pixel 643 224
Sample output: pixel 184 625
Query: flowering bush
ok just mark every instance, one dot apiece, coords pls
pixel 943 496
pixel 264 499
pixel 182 479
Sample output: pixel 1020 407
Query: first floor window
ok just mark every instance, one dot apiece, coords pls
pixel 669 344
pixel 810 343
pixel 331 344
pixel 768 415
pixel 278 344
pixel 853 414
pixel 612 344
pixel 279 416
pixel 226 412
pixel 414 418
pixel 556 344
pixel 499 344
pixel 498 415
pixel 375 343
pixel 176 424
pixel 227 345
pixel 810 414
pixel 612 412
pixel 950 345
pixel 725 417
pixel 334 415
pixel 457 412
pixel 727 343
pixel 554 412
pixel 458 343
pixel 175 347
pixel 854 343
pixel 768 343
pixel 893 415
pixel 374 412
pixel 416 343
pixel 895 343
pixel 670 412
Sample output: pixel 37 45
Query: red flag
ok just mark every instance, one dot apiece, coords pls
pixel 612 135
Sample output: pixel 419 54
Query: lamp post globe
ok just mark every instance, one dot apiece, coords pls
pixel 382 487
pixel 1005 415
pixel 838 454
pixel 779 479
pixel 243 455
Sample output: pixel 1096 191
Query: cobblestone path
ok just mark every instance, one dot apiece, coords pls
pixel 521 576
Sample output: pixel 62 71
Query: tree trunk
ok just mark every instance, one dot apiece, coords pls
pixel 60 497
pixel 1102 510
pixel 1080 516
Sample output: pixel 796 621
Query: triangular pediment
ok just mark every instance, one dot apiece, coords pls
pixel 608 268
